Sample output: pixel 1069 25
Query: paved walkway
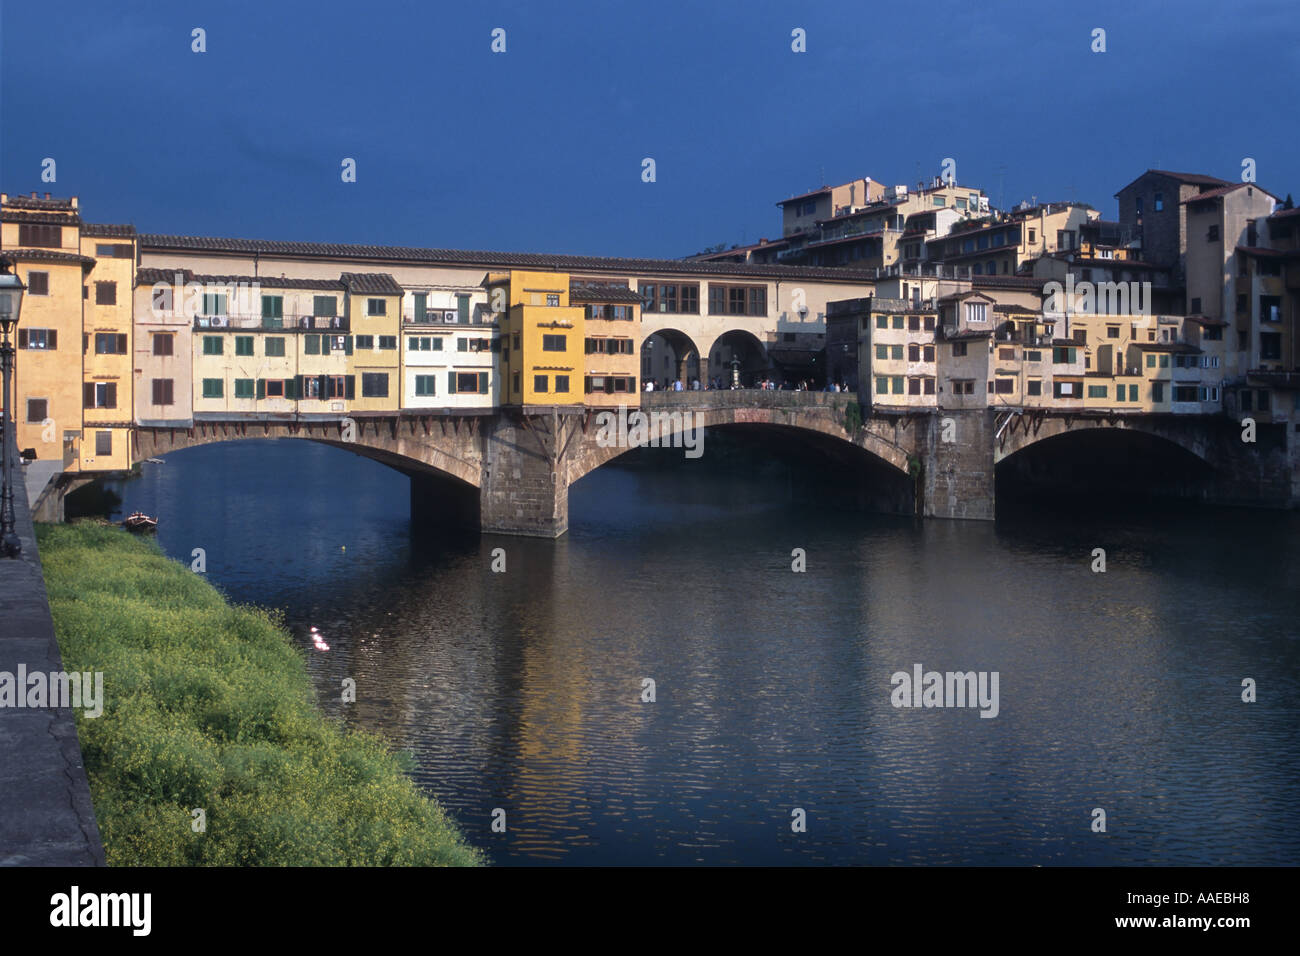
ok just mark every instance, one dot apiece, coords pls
pixel 46 818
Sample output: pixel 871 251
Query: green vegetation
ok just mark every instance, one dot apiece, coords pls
pixel 210 706
pixel 852 417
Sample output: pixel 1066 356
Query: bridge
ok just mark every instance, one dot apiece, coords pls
pixel 509 471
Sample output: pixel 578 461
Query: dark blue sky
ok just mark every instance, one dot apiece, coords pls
pixel 540 148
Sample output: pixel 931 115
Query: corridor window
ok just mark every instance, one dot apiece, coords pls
pixel 374 384
pixel 737 300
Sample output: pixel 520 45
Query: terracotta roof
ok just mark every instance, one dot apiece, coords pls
pixel 1014 309
pixel 44 218
pixel 1194 179
pixel 1285 213
pixel 153 242
pixel 1178 347
pixel 1206 320
pixel 967 336
pixel 1224 190
pixel 815 192
pixel 371 283
pixel 602 292
pixel 45 255
pixel 106 230
pixel 1269 253
pixel 34 202
pixel 1007 282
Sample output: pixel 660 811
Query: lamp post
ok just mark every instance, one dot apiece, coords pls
pixel 11 303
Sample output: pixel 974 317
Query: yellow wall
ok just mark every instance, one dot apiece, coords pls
pixel 375 360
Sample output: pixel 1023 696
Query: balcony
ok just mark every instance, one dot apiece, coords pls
pixel 261 323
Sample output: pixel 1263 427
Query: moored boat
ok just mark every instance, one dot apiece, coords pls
pixel 140 522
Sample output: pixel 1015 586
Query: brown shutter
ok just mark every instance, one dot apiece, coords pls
pixel 111 400
pixel 22 338
pixel 88 395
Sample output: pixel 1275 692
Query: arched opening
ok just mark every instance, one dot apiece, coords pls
pixel 733 468
pixel 669 356
pixel 1101 468
pixel 737 360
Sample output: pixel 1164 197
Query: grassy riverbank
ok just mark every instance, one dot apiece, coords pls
pixel 209 706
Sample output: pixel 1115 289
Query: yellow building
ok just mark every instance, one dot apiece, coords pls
pixel 543 338
pixel 72 375
pixel 611 341
pixel 374 315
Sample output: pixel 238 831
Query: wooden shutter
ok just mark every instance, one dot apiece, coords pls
pixel 420 299
pixel 88 395
pixel 261 388
pixel 451 383
pixel 121 344
pixel 110 400
pixel 52 337
pixel 22 338
pixel 157 391
pixel 351 384
pixel 483 382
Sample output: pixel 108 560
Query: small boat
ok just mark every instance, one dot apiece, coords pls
pixel 140 522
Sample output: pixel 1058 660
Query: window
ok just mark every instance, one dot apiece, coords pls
pixel 1034 356
pixel 976 311
pixel 1159 203
pixel 103 443
pixel 882 321
pixel 213 388
pixel 927 353
pixel 462 309
pixel 1033 235
pixel 324 306
pixel 553 343
pixel 1247 400
pixel 561 383
pixel 958 349
pixel 38 339
pixel 1003 385
pixel 374 384
pixel 539 383
pixel 1212 235
pixel 365 341
pixel 1096 391
pixel 163 344
pixel 100 394
pixel 38 410
pixel 311 344
pixel 553 299
pixel 929 323
pixel 1006 354
pixel 244 388
pixel 243 345
pixel 882 385
pixel 1112 331
pixel 40 236
pixel 38 283
pixel 882 351
pixel 1270 308
pixel 914 323
pixel 376 306
pixel 1064 355
pixel 1157 391
pixel 1065 389
pixel 212 345
pixel 896 352
pixel 426 385
pixel 214 303
pixel 110 343
pixel 388 342
pixel 737 300
pixel 273 388
pixel 1132 392
pixel 272 312
pixel 1185 393
pixel 1034 386
pixel 896 382
pixel 275 346
pixel 928 386
pixel 1270 345
pixel 914 353
pixel 105 293
pixel 897 321
pixel 162 391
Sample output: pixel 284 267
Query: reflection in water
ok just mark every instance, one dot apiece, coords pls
pixel 523 690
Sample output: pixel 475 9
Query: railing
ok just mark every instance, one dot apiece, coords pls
pixel 335 323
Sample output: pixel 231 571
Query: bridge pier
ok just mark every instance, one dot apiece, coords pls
pixel 525 488
pixel 957 465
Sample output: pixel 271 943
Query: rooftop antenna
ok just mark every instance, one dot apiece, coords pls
pixel 821 176
pixel 1001 193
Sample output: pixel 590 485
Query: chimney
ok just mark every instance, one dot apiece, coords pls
pixel 33 194
pixel 47 195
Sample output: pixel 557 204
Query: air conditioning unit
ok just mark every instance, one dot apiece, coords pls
pixel 449 315
pixel 205 322
pixel 336 406
pixel 220 321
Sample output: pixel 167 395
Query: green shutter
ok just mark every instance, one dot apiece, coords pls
pixel 462 308
pixel 312 345
pixel 347 345
pixel 261 388
pixel 421 299
pixel 351 383
pixel 483 382
pixel 451 383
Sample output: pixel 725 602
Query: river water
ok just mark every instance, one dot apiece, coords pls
pixel 523 690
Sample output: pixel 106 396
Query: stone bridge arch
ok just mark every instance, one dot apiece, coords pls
pixel 741 345
pixel 893 444
pixel 669 353
pixel 1019 432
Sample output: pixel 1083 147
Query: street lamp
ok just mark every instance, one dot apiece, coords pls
pixel 11 303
